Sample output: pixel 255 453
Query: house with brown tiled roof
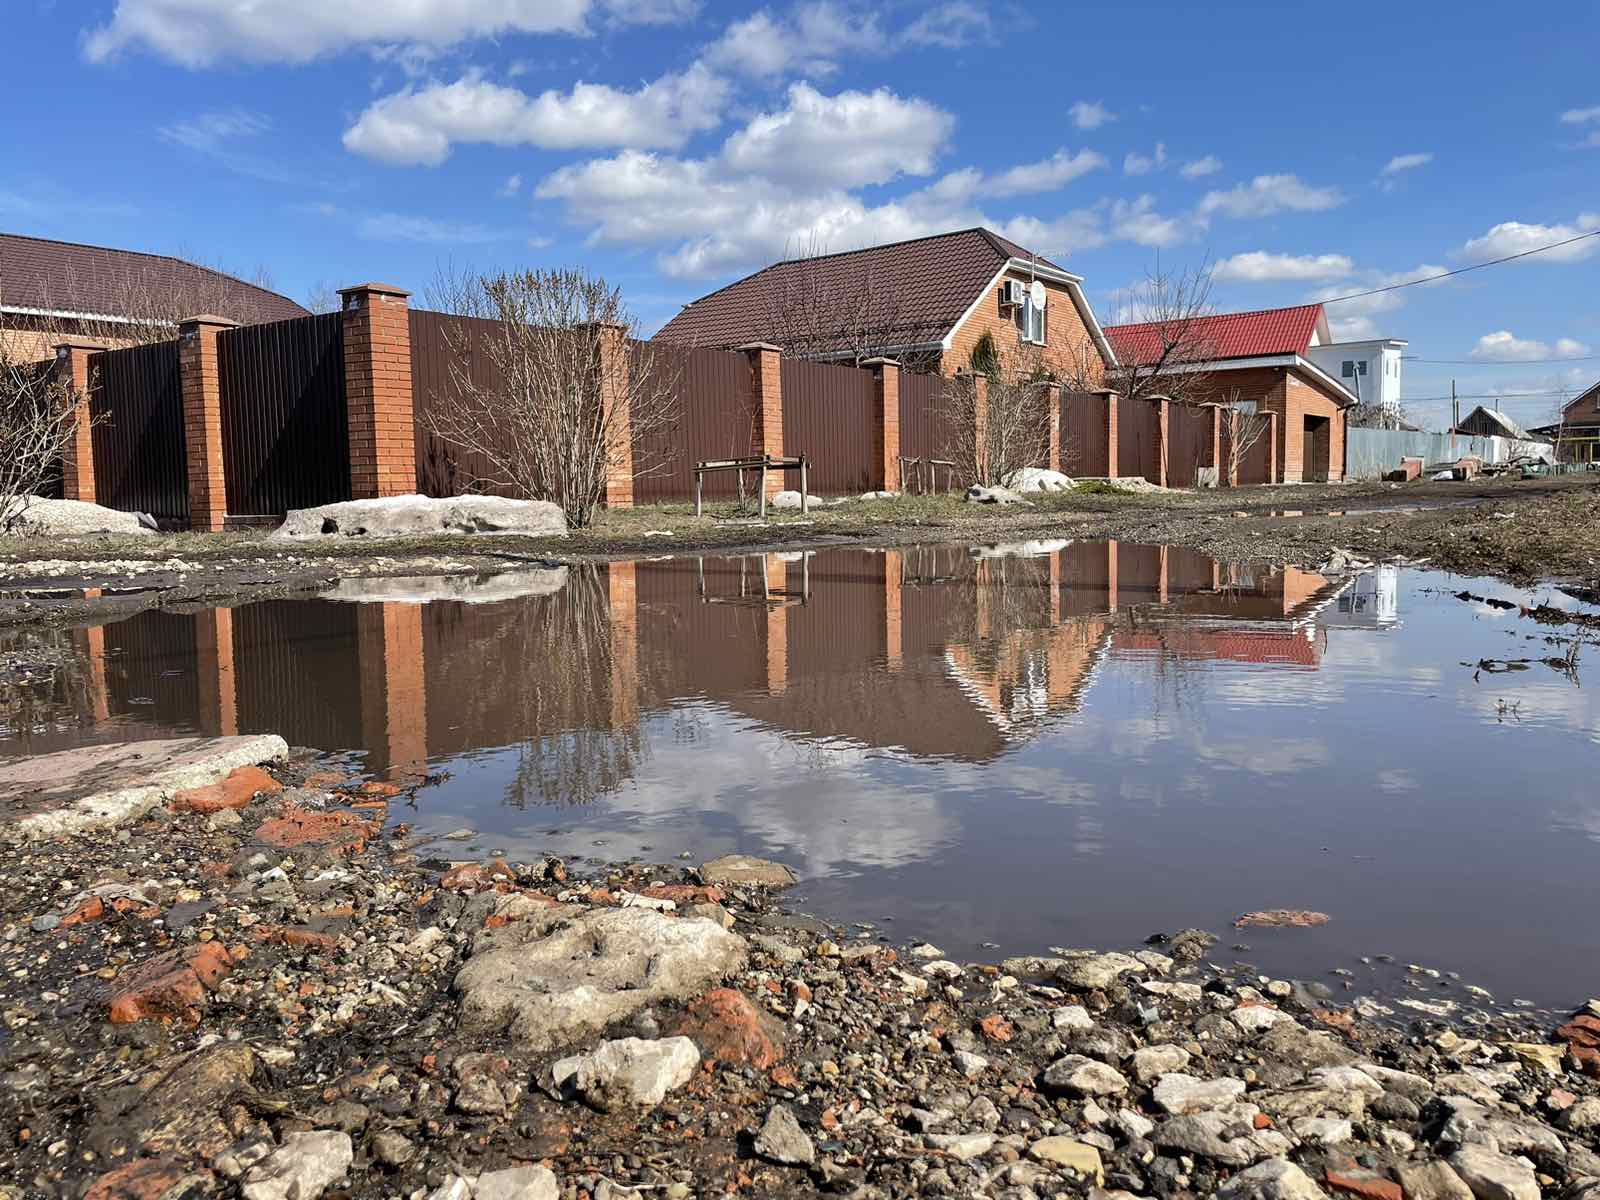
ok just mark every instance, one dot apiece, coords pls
pixel 1259 361
pixel 932 302
pixel 50 290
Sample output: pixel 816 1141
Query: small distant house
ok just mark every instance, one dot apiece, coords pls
pixel 50 290
pixel 1486 422
pixel 940 303
pixel 1262 362
pixel 1577 434
pixel 1370 369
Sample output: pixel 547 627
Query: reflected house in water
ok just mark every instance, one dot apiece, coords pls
pixel 1371 601
pixel 933 652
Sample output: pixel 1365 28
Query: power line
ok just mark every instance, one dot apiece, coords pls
pixel 1502 362
pixel 1494 262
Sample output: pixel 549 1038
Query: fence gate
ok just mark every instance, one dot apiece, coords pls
pixel 136 404
pixel 1188 443
pixel 285 430
pixel 830 416
pixel 1085 434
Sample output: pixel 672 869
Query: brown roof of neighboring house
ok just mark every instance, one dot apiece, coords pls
pixel 934 281
pixel 1226 335
pixel 69 278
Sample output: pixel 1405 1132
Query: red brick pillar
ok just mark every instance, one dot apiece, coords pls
pixel 1216 444
pixel 219 695
pixel 77 457
pixel 377 388
pixel 1052 401
pixel 615 400
pixel 1274 459
pixel 893 628
pixel 1111 433
pixel 1111 575
pixel 886 423
pixel 394 695
pixel 776 641
pixel 200 382
pixel 766 391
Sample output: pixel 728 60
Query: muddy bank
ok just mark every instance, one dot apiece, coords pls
pixel 1519 530
pixel 267 987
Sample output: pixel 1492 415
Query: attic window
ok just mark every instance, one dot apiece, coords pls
pixel 1032 325
pixel 1353 367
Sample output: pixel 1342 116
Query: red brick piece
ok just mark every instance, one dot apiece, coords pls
pixel 343 833
pixel 170 986
pixel 728 1028
pixel 1366 1184
pixel 241 786
pixel 147 1179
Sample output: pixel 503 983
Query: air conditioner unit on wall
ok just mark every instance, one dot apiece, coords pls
pixel 1012 293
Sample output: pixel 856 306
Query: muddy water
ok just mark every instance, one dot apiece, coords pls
pixel 997 750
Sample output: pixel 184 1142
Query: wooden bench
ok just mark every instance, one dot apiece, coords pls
pixel 761 464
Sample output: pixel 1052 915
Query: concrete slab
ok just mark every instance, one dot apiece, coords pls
pixel 101 787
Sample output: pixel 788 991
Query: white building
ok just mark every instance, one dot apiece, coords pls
pixel 1370 369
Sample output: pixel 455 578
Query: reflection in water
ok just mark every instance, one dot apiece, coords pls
pixel 1035 744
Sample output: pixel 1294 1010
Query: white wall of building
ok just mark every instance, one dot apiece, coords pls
pixel 1370 369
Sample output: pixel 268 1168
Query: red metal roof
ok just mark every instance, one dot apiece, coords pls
pixel 1226 335
pixel 934 281
pixel 69 277
pixel 1287 647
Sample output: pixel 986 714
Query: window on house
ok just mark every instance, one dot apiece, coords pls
pixel 1352 368
pixel 1031 321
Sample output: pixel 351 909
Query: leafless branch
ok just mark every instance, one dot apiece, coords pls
pixel 38 415
pixel 1174 304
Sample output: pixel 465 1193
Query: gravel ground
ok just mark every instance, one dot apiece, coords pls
pixel 274 992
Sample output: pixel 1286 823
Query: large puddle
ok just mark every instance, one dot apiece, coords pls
pixel 999 750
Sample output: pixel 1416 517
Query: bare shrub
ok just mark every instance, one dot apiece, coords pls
pixel 1175 305
pixel 1015 420
pixel 38 414
pixel 557 414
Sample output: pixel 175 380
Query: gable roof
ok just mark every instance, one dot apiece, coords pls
pixel 1225 335
pixel 70 279
pixel 935 280
pixel 1583 404
pixel 1487 420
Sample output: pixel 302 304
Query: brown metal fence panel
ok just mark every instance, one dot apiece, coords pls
pixel 1255 461
pixel 714 419
pixel 1188 443
pixel 292 672
pixel 136 403
pixel 922 417
pixel 285 429
pixel 829 416
pixel 1085 434
pixel 1137 437
pixel 445 348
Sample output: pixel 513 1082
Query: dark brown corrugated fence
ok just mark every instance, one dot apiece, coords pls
pixel 1085 434
pixel 443 349
pixel 1188 443
pixel 714 419
pixel 1138 435
pixel 136 402
pixel 921 416
pixel 828 416
pixel 285 430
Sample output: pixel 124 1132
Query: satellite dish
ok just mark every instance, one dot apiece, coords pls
pixel 1036 294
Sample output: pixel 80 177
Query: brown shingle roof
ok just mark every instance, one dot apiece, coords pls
pixel 68 277
pixel 934 281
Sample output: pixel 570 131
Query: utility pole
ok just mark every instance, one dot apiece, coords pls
pixel 1455 407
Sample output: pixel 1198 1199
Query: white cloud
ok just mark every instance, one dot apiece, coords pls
pixel 1516 237
pixel 850 139
pixel 1137 221
pixel 1046 175
pixel 1260 266
pixel 1581 116
pixel 809 40
pixel 1090 114
pixel 211 131
pixel 1406 162
pixel 199 33
pixel 397 227
pixel 1142 164
pixel 1351 320
pixel 953 25
pixel 1504 346
pixel 1057 237
pixel 1201 167
pixel 1268 194
pixel 511 187
pixel 418 126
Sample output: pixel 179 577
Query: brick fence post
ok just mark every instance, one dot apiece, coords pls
pixel 200 382
pixel 1274 459
pixel 1216 444
pixel 614 367
pixel 886 423
pixel 77 457
pixel 1111 431
pixel 1052 400
pixel 377 389
pixel 766 391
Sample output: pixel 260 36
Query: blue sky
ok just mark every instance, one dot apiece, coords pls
pixel 674 144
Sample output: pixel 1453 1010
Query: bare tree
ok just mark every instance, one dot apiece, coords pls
pixel 817 305
pixel 1369 414
pixel 1246 427
pixel 323 297
pixel 1179 341
pixel 38 414
pixel 1015 421
pixel 554 415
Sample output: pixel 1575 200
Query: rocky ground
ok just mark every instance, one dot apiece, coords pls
pixel 268 988
pixel 1520 529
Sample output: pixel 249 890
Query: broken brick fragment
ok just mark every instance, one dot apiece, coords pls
pixel 241 786
pixel 171 986
pixel 341 833
pixel 728 1028
pixel 149 1179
